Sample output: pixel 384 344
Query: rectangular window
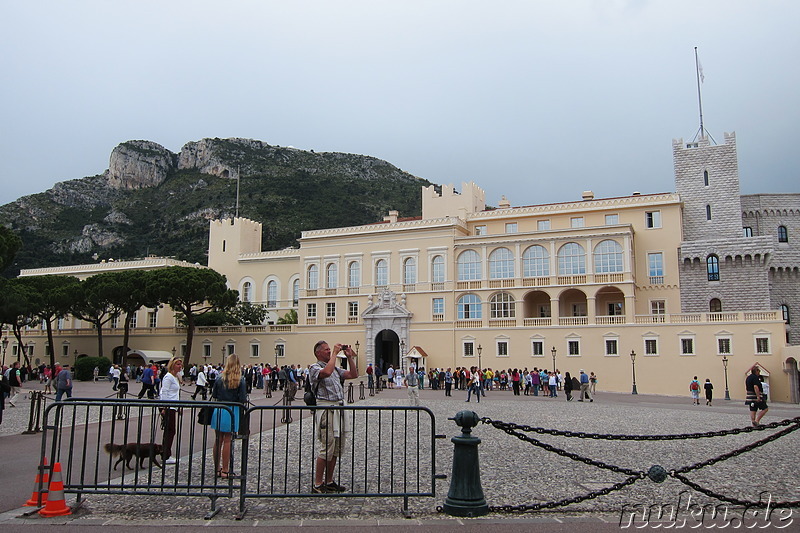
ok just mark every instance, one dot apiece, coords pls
pixel 280 349
pixel 469 349
pixel 687 346
pixel 206 350
pixel 134 320
pixel 724 346
pixel 762 345
pixel 658 307
pixel 352 309
pixel 542 225
pixel 537 347
pixel 511 227
pixel 254 350
pixel 311 310
pixel 611 347
pixel 502 348
pixel 574 347
pixel 480 230
pixel 652 219
pixel 64 350
pixel 612 219
pixel 115 321
pixel 655 268
pixel 651 347
pixel 152 319
pixel 438 306
pixel 576 222
pixel 330 310
pixel 615 309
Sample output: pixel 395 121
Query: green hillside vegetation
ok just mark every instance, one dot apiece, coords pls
pixel 287 190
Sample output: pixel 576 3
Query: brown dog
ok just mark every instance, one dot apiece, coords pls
pixel 141 451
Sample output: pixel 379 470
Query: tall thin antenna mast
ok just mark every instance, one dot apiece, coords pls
pixel 699 73
pixel 238 181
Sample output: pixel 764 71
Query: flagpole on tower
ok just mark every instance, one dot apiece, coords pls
pixel 700 77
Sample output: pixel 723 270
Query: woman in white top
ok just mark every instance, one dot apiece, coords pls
pixel 170 391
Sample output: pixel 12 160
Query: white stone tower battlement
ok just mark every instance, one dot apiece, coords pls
pixel 230 237
pixel 451 203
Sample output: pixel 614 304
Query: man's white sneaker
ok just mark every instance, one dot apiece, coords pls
pixel 171 461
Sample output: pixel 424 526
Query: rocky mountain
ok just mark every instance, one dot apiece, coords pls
pixel 151 201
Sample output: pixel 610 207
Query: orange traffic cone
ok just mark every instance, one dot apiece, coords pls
pixel 56 505
pixel 42 480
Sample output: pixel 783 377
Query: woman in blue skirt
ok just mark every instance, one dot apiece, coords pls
pixel 230 387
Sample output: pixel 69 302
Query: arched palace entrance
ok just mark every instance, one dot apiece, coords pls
pixel 386 323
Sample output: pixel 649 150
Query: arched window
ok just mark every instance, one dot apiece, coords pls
pixel 247 292
pixel 331 276
pixel 708 212
pixel 469 266
pixel 607 257
pixel 783 235
pixel 571 259
pixel 501 264
pixel 535 262
pixel 715 305
pixel 785 313
pixel 469 307
pixel 354 274
pixel 409 271
pixel 705 178
pixel 272 293
pixel 381 273
pixel 295 292
pixel 712 266
pixel 312 279
pixel 501 305
pixel 437 269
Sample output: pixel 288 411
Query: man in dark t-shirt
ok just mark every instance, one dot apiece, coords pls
pixel 755 396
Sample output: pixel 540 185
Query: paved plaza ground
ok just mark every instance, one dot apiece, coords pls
pixel 513 472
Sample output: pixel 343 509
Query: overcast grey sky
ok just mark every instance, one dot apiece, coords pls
pixel 535 100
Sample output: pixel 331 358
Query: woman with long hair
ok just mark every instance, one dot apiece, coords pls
pixel 229 387
pixel 170 391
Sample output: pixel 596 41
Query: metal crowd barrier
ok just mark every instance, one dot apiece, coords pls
pixel 388 451
pixel 79 434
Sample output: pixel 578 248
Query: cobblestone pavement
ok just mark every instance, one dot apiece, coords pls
pixel 514 472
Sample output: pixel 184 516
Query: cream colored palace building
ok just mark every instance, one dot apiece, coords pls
pixel 588 282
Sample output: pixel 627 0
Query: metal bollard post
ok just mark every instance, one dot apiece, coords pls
pixel 287 413
pixel 361 391
pixel 350 393
pixel 465 497
pixel 35 412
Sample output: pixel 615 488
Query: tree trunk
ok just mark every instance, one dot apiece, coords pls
pixel 20 346
pixel 99 325
pixel 125 338
pixel 189 338
pixel 49 323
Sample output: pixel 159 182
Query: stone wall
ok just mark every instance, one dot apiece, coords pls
pixel 691 161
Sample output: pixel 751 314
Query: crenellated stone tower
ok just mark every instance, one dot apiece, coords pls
pixel 717 259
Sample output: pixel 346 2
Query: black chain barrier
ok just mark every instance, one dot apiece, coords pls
pixel 655 473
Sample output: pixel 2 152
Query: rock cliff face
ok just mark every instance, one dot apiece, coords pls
pixel 203 155
pixel 139 164
pixel 153 201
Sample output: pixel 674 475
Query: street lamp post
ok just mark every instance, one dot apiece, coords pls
pixel 553 351
pixel 633 369
pixel 277 350
pixel 480 366
pixel 725 368
pixel 5 346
